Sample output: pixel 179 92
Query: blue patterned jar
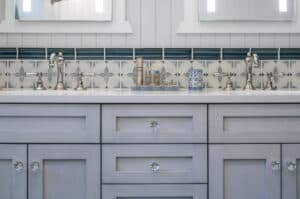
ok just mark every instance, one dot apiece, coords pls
pixel 195 79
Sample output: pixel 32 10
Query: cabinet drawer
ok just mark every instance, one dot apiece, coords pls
pixel 154 123
pixel 49 123
pixel 155 163
pixel 254 123
pixel 154 191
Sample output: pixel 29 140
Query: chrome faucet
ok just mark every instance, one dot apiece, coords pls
pixel 58 60
pixel 251 61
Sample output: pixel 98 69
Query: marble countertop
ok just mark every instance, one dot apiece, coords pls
pixel 128 96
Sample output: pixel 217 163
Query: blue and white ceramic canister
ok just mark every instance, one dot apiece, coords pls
pixel 195 79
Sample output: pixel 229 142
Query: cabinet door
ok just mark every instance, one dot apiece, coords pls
pixel 291 171
pixel 64 171
pixel 244 171
pixel 13 181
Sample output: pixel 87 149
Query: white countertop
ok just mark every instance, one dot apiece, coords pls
pixel 128 96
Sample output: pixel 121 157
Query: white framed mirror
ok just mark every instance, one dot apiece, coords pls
pixel 246 10
pixel 27 16
pixel 285 17
pixel 63 10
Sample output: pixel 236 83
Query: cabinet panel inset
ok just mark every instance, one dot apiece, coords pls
pixel 253 180
pixel 69 174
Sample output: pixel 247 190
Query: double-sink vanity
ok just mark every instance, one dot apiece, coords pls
pixel 114 144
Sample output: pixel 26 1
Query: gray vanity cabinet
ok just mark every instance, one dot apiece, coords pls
pixel 291 171
pixel 244 171
pixel 13 177
pixel 64 171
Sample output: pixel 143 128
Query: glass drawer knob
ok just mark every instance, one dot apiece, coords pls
pixel 155 167
pixel 275 165
pixel 35 166
pixel 19 166
pixel 291 166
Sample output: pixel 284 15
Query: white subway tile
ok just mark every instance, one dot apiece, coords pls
pixel 237 40
pixel 29 40
pixel 43 40
pixel 14 40
pixel 3 40
pixel 282 41
pixel 74 40
pixel 251 40
pixel 58 40
pixel 89 40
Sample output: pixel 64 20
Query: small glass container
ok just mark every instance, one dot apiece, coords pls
pixel 156 78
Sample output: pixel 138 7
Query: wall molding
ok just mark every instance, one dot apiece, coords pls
pixel 119 23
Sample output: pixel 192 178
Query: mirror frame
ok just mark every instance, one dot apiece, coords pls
pixel 192 24
pixel 118 24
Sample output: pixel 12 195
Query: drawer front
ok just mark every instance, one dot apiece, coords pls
pixel 154 191
pixel 46 123
pixel 254 123
pixel 154 124
pixel 155 163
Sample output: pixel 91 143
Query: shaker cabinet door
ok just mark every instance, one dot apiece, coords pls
pixel 64 172
pixel 291 174
pixel 244 171
pixel 13 180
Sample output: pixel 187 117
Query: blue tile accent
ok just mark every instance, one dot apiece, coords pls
pixel 90 53
pixel 32 53
pixel 290 53
pixel 8 53
pixel 207 53
pixel 119 53
pixel 69 53
pixel 178 53
pixel 266 53
pixel 234 53
pixel 149 53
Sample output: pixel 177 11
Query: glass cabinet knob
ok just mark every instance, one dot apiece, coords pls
pixel 155 126
pixel 275 165
pixel 34 166
pixel 155 167
pixel 19 166
pixel 291 166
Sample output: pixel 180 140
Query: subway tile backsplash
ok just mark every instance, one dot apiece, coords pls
pixel 115 67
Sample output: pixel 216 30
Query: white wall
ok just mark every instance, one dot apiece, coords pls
pixel 154 24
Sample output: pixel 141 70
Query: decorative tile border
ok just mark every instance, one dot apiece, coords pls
pixel 115 67
pixel 151 53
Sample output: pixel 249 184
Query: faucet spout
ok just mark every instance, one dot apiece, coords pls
pixel 251 61
pixel 57 59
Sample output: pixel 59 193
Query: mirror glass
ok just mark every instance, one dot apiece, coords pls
pixel 63 10
pixel 246 10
